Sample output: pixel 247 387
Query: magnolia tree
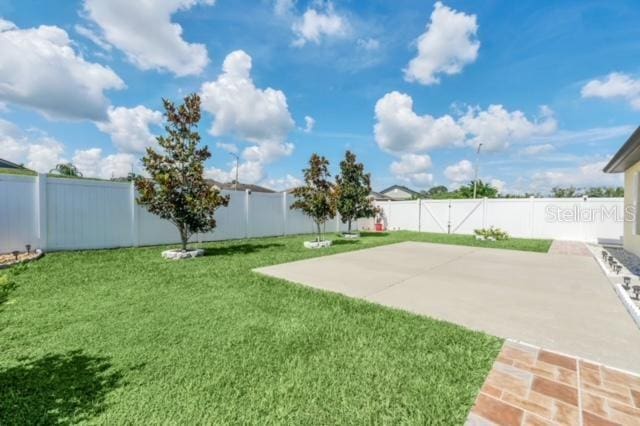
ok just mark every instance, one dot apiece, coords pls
pixel 353 187
pixel 176 190
pixel 316 198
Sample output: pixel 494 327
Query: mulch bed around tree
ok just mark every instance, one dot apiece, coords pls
pixel 8 259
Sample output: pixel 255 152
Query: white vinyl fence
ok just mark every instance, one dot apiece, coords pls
pixel 576 219
pixel 69 214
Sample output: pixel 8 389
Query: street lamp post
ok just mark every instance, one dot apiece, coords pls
pixel 235 183
pixel 475 181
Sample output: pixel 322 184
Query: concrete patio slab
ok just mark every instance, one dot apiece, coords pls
pixel 560 302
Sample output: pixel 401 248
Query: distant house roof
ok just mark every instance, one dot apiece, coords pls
pixel 626 156
pixel 6 164
pixel 378 196
pixel 400 187
pixel 231 186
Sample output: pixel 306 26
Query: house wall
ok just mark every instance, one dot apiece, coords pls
pixel 631 189
pixel 398 194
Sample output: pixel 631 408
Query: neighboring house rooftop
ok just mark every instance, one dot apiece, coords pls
pixel 626 156
pixel 6 164
pixel 392 188
pixel 379 197
pixel 231 186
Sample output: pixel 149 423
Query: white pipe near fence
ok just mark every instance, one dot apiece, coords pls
pixel 576 219
pixel 70 214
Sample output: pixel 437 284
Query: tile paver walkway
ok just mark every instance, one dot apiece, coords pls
pixel 574 248
pixel 532 386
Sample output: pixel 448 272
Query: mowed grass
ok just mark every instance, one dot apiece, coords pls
pixel 125 337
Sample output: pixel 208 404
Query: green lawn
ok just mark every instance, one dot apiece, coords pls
pixel 122 336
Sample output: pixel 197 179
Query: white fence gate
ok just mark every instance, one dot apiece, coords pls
pixel 70 214
pixel 577 219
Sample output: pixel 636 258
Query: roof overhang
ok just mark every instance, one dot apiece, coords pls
pixel 626 156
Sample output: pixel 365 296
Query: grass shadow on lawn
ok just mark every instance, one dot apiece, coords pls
pixel 373 234
pixel 344 242
pixel 5 289
pixel 56 389
pixel 245 248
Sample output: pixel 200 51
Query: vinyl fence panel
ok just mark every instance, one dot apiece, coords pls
pixel 577 219
pixel 69 214
pixel 18 222
pixel 85 214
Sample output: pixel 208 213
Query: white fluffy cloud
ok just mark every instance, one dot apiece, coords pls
pixel 498 184
pixel 37 152
pixel 248 172
pixel 281 184
pixel 586 175
pixel 448 44
pixel 129 128
pixel 267 152
pixel 532 150
pixel 258 116
pixel 369 44
pixel 39 69
pixel 90 35
pixel 460 172
pixel 242 109
pixel 228 147
pixel 309 123
pixel 42 153
pixel 614 86
pixel 412 168
pixel 92 163
pixel 319 22
pixel 144 32
pixel 283 7
pixel 400 130
pixel 496 127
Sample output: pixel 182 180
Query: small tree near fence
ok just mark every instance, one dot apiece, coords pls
pixel 176 190
pixel 353 187
pixel 316 198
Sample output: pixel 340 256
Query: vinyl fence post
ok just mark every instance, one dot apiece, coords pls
pixel 388 215
pixel 532 209
pixel 41 210
pixel 135 220
pixel 284 213
pixel 484 212
pixel 419 202
pixel 247 200
pixel 449 218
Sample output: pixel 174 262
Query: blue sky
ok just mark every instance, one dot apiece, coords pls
pixel 551 89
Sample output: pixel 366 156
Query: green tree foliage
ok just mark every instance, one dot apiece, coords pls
pixel 177 190
pixel 605 192
pixel 592 192
pixel 568 192
pixel 437 191
pixel 66 169
pixel 483 189
pixel 316 198
pixel 353 187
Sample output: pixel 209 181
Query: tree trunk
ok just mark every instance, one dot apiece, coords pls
pixel 349 226
pixel 184 237
pixel 319 236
